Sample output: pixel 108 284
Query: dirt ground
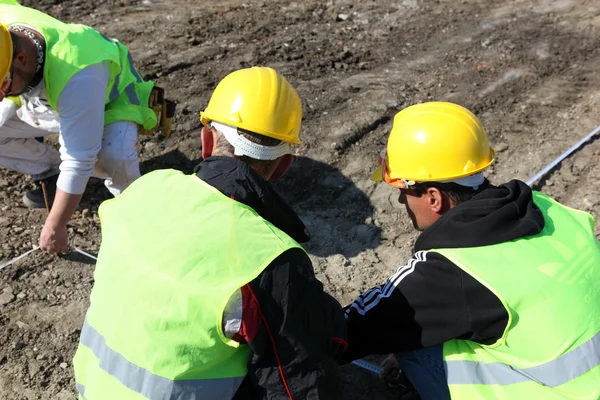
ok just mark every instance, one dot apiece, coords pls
pixel 529 69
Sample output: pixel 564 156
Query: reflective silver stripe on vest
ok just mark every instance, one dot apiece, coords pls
pixel 553 373
pixel 81 390
pixel 114 91
pixel 130 89
pixel 132 95
pixel 132 68
pixel 152 386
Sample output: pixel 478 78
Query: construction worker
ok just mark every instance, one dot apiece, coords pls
pixel 201 288
pixel 501 297
pixel 67 78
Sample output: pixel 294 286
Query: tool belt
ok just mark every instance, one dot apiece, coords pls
pixel 164 109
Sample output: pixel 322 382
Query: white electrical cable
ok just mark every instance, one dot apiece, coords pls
pixel 19 257
pixel 369 366
pixel 83 252
pixel 562 156
pixel 37 248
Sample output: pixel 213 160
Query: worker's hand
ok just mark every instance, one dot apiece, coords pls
pixel 54 238
pixel 389 368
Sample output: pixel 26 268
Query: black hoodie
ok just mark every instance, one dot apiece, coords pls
pixel 302 334
pixel 430 300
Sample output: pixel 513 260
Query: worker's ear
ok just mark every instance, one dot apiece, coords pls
pixel 20 59
pixel 209 141
pixel 437 202
pixel 285 162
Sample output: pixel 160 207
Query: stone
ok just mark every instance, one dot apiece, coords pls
pixel 149 146
pixel 22 325
pixel 6 297
pixel 19 346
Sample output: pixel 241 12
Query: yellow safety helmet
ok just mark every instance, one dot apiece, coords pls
pixel 433 142
pixel 6 52
pixel 258 100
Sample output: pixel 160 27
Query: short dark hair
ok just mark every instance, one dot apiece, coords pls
pixel 455 192
pixel 17 42
pixel 224 147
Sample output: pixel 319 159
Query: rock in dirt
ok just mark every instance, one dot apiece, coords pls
pixel 6 297
pixel 19 346
pixel 22 325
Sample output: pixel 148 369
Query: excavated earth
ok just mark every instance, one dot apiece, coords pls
pixel 528 69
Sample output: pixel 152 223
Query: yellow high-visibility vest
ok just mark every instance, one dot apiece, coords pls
pixel 549 284
pixel 174 250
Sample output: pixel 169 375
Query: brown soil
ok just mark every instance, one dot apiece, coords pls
pixel 527 68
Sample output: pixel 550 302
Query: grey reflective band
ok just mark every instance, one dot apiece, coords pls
pixel 132 95
pixel 554 373
pixel 130 89
pixel 81 390
pixel 132 68
pixel 114 91
pixel 149 385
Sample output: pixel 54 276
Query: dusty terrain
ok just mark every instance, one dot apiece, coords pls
pixel 529 69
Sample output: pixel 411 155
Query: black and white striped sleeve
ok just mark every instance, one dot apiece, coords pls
pixel 426 302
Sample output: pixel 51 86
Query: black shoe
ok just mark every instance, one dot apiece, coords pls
pixel 35 198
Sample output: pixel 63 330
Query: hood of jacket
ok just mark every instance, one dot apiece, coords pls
pixel 237 180
pixel 496 215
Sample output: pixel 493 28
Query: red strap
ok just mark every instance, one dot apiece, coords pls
pixel 342 342
pixel 272 342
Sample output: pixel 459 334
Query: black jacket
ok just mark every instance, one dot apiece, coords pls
pixel 303 332
pixel 430 300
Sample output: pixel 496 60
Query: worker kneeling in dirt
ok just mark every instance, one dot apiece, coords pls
pixel 69 79
pixel 501 298
pixel 201 288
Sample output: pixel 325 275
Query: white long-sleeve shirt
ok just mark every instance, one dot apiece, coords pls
pixel 79 118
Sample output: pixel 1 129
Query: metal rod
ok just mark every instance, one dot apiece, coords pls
pixel 562 156
pixel 45 193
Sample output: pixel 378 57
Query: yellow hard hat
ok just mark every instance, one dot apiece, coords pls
pixel 433 142
pixel 6 52
pixel 258 100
